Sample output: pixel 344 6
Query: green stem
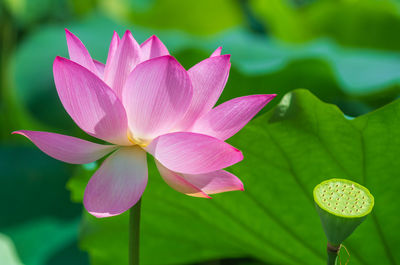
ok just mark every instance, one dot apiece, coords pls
pixel 134 233
pixel 332 257
pixel 332 254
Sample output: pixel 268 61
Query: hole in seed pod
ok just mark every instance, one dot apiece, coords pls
pixel 330 198
pixel 345 207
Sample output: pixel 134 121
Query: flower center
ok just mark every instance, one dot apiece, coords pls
pixel 136 140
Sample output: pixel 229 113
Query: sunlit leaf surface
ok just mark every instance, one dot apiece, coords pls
pixel 288 150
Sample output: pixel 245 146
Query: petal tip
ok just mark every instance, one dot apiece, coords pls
pixel 240 154
pixel 128 34
pixel 20 132
pixel 115 36
pixel 237 150
pixel 69 35
pixel 261 98
pixel 225 57
pixel 217 52
pixel 59 62
pixel 155 38
pixel 238 185
pixel 169 57
pixel 59 59
pixel 268 96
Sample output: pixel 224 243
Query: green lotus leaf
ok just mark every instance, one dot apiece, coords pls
pixel 288 151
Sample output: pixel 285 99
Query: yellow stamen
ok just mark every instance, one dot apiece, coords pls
pixel 137 141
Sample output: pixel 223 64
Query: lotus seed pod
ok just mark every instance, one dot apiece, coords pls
pixel 342 205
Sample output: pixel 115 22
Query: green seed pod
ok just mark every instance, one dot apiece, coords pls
pixel 342 205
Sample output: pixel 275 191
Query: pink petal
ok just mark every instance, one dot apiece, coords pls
pixel 193 153
pixel 153 47
pixel 78 52
pixel 118 184
pixel 120 64
pixel 217 52
pixel 179 183
pixel 90 102
pixel 100 68
pixel 113 48
pixel 66 148
pixel 208 78
pixel 200 185
pixel 156 95
pixel 228 118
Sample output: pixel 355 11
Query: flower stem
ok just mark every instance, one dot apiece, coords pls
pixel 134 233
pixel 332 254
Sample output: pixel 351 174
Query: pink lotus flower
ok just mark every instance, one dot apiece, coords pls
pixel 142 100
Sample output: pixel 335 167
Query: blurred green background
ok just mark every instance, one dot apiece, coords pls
pixel 344 52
